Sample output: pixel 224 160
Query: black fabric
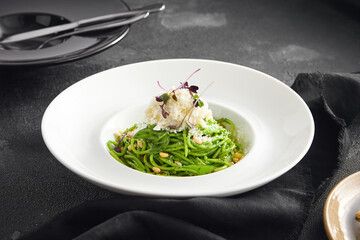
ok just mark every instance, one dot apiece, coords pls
pixel 341 96
pixel 278 210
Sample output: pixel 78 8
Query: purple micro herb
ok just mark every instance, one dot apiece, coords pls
pixel 117 149
pixel 190 124
pixel 163 112
pixel 125 133
pixel 163 98
pixel 161 86
pixel 184 84
pixel 193 88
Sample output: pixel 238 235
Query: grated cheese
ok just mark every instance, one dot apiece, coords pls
pixel 177 110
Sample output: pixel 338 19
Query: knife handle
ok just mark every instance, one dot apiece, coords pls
pixel 151 9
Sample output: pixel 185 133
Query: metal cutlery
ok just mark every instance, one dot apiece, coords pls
pixel 97 28
pixel 87 25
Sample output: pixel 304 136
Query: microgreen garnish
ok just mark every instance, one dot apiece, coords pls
pixel 193 88
pixel 161 86
pixel 189 123
pixel 163 112
pixel 185 84
pixel 165 97
pixel 173 95
pixel 197 102
pixel 117 149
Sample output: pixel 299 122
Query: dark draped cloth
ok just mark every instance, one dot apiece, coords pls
pixel 289 207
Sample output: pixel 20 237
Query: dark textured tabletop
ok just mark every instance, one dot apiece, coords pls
pixel 280 38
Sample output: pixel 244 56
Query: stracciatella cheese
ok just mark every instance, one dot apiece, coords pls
pixel 178 110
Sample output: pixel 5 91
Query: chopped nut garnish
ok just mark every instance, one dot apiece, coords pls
pixel 164 155
pixel 178 163
pixel 238 155
pixel 156 169
pixel 235 160
pixel 140 143
pixel 357 216
pixel 197 140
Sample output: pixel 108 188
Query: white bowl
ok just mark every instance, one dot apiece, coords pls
pixel 276 122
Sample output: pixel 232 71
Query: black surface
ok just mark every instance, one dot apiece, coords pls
pixel 281 38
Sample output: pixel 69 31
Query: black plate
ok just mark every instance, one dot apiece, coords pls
pixel 42 13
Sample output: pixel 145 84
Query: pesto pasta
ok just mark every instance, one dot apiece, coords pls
pixel 191 152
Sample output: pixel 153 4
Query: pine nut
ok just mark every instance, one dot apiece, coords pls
pixel 140 143
pixel 129 147
pixel 238 155
pixel 357 216
pixel 235 160
pixel 197 140
pixel 178 163
pixel 164 155
pixel 156 169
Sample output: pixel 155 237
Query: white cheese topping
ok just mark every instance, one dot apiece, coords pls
pixel 178 110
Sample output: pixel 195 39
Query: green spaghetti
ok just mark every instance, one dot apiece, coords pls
pixel 191 152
